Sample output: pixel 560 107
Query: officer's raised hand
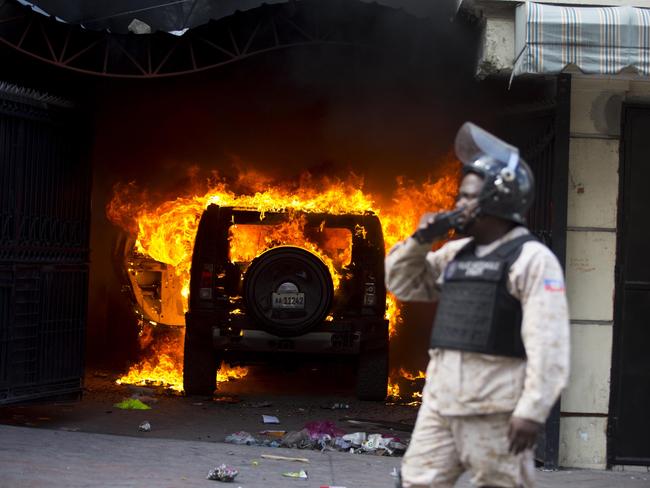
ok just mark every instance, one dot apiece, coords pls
pixel 435 226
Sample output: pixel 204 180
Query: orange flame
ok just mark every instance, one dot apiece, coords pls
pixel 166 231
pixel 410 376
pixel 335 250
pixel 162 368
pixel 393 390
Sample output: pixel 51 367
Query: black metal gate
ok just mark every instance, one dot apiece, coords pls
pixel 44 232
pixel 629 429
pixel 541 131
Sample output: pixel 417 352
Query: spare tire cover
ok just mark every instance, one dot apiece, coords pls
pixel 288 290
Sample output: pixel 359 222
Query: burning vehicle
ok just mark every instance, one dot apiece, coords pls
pixel 259 272
pixel 266 283
pixel 286 283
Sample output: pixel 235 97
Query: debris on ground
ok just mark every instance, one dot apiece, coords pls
pixel 241 438
pixel 144 426
pixel 270 419
pixel 223 472
pixel 273 433
pixel 302 474
pixel 284 458
pixel 297 438
pixel 325 436
pixel 323 427
pixel 132 404
pixel 357 438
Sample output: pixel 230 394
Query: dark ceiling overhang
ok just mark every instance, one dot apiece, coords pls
pixel 217 42
pixel 177 16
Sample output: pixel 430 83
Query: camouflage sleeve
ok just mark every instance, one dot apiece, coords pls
pixel 544 330
pixel 412 270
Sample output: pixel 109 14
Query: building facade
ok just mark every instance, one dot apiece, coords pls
pixel 605 47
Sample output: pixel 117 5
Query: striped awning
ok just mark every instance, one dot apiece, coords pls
pixel 598 40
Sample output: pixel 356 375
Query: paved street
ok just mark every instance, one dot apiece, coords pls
pixel 50 458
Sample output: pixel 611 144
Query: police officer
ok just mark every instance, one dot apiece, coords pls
pixel 500 342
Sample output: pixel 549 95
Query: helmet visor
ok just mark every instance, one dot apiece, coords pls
pixel 472 143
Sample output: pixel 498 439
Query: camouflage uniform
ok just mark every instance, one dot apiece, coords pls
pixel 468 398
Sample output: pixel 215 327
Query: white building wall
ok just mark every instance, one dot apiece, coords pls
pixel 590 260
pixel 595 128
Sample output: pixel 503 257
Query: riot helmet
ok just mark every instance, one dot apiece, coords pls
pixel 508 183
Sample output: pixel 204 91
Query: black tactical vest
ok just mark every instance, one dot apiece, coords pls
pixel 476 312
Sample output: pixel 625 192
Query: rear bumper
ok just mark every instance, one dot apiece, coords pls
pixel 348 336
pixel 311 342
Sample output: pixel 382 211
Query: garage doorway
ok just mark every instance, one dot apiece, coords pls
pixel 629 429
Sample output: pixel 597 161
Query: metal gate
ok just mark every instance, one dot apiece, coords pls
pixel 541 131
pixel 44 232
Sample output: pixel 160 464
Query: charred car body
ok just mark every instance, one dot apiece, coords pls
pixel 252 294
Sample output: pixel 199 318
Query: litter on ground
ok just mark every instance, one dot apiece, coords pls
pixel 241 438
pixel 302 474
pixel 223 472
pixel 284 458
pixel 324 436
pixel 273 433
pixel 132 404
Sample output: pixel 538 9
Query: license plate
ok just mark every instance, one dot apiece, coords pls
pixel 288 300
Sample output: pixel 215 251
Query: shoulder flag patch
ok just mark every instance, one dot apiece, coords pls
pixel 553 285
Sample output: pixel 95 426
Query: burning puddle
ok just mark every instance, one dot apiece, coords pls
pixel 163 232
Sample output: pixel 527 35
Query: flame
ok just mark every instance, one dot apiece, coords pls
pixel 163 371
pixel 160 370
pixel 161 367
pixel 249 241
pixel 393 314
pixel 229 373
pixel 393 390
pixel 410 376
pixel 165 232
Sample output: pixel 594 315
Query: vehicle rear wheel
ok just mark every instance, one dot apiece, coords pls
pixel 200 363
pixel 372 375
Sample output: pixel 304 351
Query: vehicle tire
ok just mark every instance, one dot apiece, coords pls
pixel 200 363
pixel 372 375
pixel 288 290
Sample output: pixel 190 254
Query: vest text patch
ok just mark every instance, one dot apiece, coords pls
pixel 483 270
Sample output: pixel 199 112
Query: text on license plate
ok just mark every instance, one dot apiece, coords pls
pixel 288 300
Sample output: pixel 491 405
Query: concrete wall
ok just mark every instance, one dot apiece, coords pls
pixel 591 256
pixel 497 45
